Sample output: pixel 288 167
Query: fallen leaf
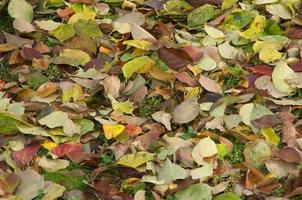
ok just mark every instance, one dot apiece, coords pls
pixel 186 111
pixel 31 183
pixel 135 160
pixel 204 149
pixel 52 165
pixel 163 118
pixel 112 131
pixel 195 192
pixel 209 84
pixel 170 172
pixel 25 156
pixel 20 9
pixel 64 149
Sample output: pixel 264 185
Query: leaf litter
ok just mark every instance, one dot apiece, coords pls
pixel 150 99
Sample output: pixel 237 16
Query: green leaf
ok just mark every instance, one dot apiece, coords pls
pixel 197 191
pixel 20 9
pixel 227 196
pixel 63 32
pixel 201 15
pixel 54 3
pixel 238 19
pixel 9 123
pixel 135 65
pixel 190 133
pixel 171 172
pixel 222 150
pixel 87 28
pixel 86 125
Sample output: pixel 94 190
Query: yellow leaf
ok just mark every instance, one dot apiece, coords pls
pixel 269 55
pixel 111 131
pixel 124 107
pixel 270 135
pixel 140 44
pixel 135 160
pixel 142 65
pixel 256 28
pixel 49 145
pixel 86 14
pixel 192 92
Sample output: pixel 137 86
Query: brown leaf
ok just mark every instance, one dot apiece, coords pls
pixel 210 85
pixel 139 95
pixel 64 149
pixel 63 13
pixel 290 154
pixel 197 3
pixel 267 121
pixel 184 155
pixel 176 59
pixel 151 136
pixel 156 4
pixel 184 77
pixel 295 33
pixel 193 52
pixel 112 85
pixel 8 183
pixel 289 132
pixel 40 63
pixel 24 156
pixel 23 26
pixel 47 89
pixel 30 53
pixel 261 69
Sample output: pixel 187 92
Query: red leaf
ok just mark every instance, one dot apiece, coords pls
pixel 26 155
pixel 176 59
pixel 261 69
pixel 297 67
pixel 184 77
pixel 64 149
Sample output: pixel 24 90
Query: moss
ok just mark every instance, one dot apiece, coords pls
pixel 69 182
pixel 236 156
pixel 5 73
pixel 148 106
